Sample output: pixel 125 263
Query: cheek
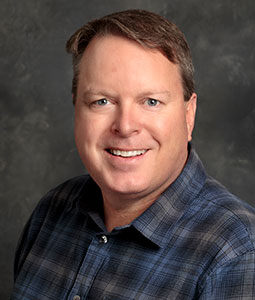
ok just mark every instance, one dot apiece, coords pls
pixel 169 129
pixel 85 140
pixel 82 130
pixel 89 129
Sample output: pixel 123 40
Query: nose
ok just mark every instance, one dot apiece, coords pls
pixel 126 121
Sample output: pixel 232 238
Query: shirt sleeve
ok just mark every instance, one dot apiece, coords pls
pixel 232 280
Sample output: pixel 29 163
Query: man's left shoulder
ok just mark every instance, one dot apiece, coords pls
pixel 232 218
pixel 226 230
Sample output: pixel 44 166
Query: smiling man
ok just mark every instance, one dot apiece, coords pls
pixel 147 223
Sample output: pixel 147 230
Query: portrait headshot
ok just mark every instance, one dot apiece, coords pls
pixel 127 150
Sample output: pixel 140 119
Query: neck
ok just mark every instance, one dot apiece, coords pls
pixel 123 213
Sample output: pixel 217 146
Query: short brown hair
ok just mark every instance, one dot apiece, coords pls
pixel 146 28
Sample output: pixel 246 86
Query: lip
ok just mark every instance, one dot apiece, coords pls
pixel 126 149
pixel 126 153
pixel 123 159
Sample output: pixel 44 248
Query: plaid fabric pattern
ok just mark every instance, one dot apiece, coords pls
pixel 195 242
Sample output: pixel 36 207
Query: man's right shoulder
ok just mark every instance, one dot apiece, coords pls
pixel 49 211
pixel 66 193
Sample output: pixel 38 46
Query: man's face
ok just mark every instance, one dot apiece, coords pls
pixel 132 125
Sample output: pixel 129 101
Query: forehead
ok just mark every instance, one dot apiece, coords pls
pixel 113 60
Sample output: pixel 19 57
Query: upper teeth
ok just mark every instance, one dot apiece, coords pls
pixel 127 153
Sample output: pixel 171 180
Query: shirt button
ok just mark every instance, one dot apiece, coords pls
pixel 76 297
pixel 103 239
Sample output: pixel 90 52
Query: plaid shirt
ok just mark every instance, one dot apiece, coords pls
pixel 195 242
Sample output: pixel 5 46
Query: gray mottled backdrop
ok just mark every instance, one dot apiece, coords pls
pixel 36 144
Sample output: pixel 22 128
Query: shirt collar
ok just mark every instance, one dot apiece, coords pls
pixel 159 220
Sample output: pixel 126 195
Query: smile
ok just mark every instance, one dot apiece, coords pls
pixel 124 153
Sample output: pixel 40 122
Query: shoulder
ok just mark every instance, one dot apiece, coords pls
pixel 56 203
pixel 226 222
pixel 232 242
pixel 64 195
pixel 223 228
pixel 227 208
pixel 69 189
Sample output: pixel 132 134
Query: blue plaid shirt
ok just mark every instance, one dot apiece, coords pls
pixel 195 242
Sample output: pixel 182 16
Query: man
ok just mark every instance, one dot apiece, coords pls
pixel 148 223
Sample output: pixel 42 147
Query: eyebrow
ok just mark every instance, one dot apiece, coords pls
pixel 91 92
pixel 151 93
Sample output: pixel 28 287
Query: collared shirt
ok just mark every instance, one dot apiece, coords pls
pixel 196 241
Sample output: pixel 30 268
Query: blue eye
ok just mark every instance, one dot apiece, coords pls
pixel 152 102
pixel 102 102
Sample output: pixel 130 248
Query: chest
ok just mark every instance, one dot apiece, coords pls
pixel 93 265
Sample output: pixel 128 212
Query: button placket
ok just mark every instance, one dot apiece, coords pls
pixel 93 260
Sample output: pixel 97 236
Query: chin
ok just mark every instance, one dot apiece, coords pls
pixel 129 186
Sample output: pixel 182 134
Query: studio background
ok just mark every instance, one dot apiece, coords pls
pixel 37 146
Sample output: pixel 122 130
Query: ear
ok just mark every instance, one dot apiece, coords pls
pixel 191 107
